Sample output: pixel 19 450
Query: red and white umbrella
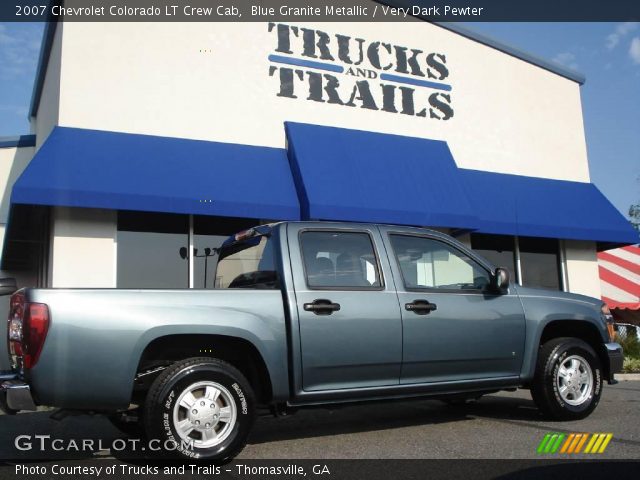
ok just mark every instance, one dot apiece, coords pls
pixel 620 280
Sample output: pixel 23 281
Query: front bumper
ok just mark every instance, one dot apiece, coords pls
pixel 15 395
pixel 616 359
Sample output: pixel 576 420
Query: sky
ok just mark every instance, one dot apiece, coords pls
pixel 608 54
pixel 19 50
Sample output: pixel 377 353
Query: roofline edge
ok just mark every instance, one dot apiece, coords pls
pixel 18 141
pixel 552 67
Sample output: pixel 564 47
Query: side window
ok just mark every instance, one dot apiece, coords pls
pixel 429 263
pixel 339 259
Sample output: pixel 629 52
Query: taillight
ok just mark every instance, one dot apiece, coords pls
pixel 28 324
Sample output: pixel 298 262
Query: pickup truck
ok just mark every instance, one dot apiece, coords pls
pixel 306 314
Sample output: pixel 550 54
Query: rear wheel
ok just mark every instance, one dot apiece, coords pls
pixel 200 408
pixel 568 379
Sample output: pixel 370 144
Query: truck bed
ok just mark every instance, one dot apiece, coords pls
pixel 97 336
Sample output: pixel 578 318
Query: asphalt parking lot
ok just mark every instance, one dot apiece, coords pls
pixel 499 426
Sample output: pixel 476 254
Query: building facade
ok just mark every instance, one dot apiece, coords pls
pixel 150 140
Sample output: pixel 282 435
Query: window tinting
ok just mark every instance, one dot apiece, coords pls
pixel 250 264
pixel 498 249
pixel 429 263
pixel 209 233
pixel 539 261
pixel 149 250
pixel 340 259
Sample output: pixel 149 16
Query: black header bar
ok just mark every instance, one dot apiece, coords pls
pixel 318 10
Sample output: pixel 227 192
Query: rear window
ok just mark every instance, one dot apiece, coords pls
pixel 249 264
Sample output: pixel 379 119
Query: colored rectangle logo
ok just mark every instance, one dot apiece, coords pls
pixel 574 443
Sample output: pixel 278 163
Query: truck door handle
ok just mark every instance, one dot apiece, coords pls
pixel 322 306
pixel 420 307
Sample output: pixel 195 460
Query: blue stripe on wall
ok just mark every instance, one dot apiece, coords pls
pixel 306 63
pixel 415 81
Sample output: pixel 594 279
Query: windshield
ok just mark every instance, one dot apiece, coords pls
pixel 249 264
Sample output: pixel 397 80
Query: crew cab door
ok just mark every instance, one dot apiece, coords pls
pixel 454 326
pixel 350 330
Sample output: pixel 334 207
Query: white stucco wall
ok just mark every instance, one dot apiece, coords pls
pixel 13 161
pixel 211 81
pixel 83 246
pixel 582 268
pixel 23 278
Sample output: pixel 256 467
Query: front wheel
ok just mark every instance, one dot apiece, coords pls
pixel 200 408
pixel 568 379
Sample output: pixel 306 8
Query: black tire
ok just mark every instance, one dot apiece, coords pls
pixel 160 407
pixel 545 388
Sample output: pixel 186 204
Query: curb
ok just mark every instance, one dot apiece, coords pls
pixel 625 377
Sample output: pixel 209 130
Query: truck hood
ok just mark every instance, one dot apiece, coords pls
pixel 556 295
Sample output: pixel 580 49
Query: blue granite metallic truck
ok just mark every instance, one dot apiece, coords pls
pixel 306 313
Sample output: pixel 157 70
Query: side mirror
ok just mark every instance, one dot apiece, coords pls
pixel 8 286
pixel 501 279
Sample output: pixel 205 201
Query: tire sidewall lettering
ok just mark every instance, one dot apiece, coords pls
pixel 170 437
pixel 170 398
pixel 598 382
pixel 554 375
pixel 243 401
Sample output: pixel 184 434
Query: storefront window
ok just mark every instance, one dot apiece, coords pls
pixel 539 262
pixel 153 248
pixel 498 249
pixel 539 257
pixel 149 250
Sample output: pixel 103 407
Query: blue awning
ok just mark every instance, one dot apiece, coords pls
pixel 97 169
pixel 352 175
pixel 539 207
pixel 331 174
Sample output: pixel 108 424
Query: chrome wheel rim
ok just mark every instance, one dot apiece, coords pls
pixel 205 414
pixel 574 380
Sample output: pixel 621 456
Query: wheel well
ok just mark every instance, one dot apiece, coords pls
pixel 577 329
pixel 238 352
